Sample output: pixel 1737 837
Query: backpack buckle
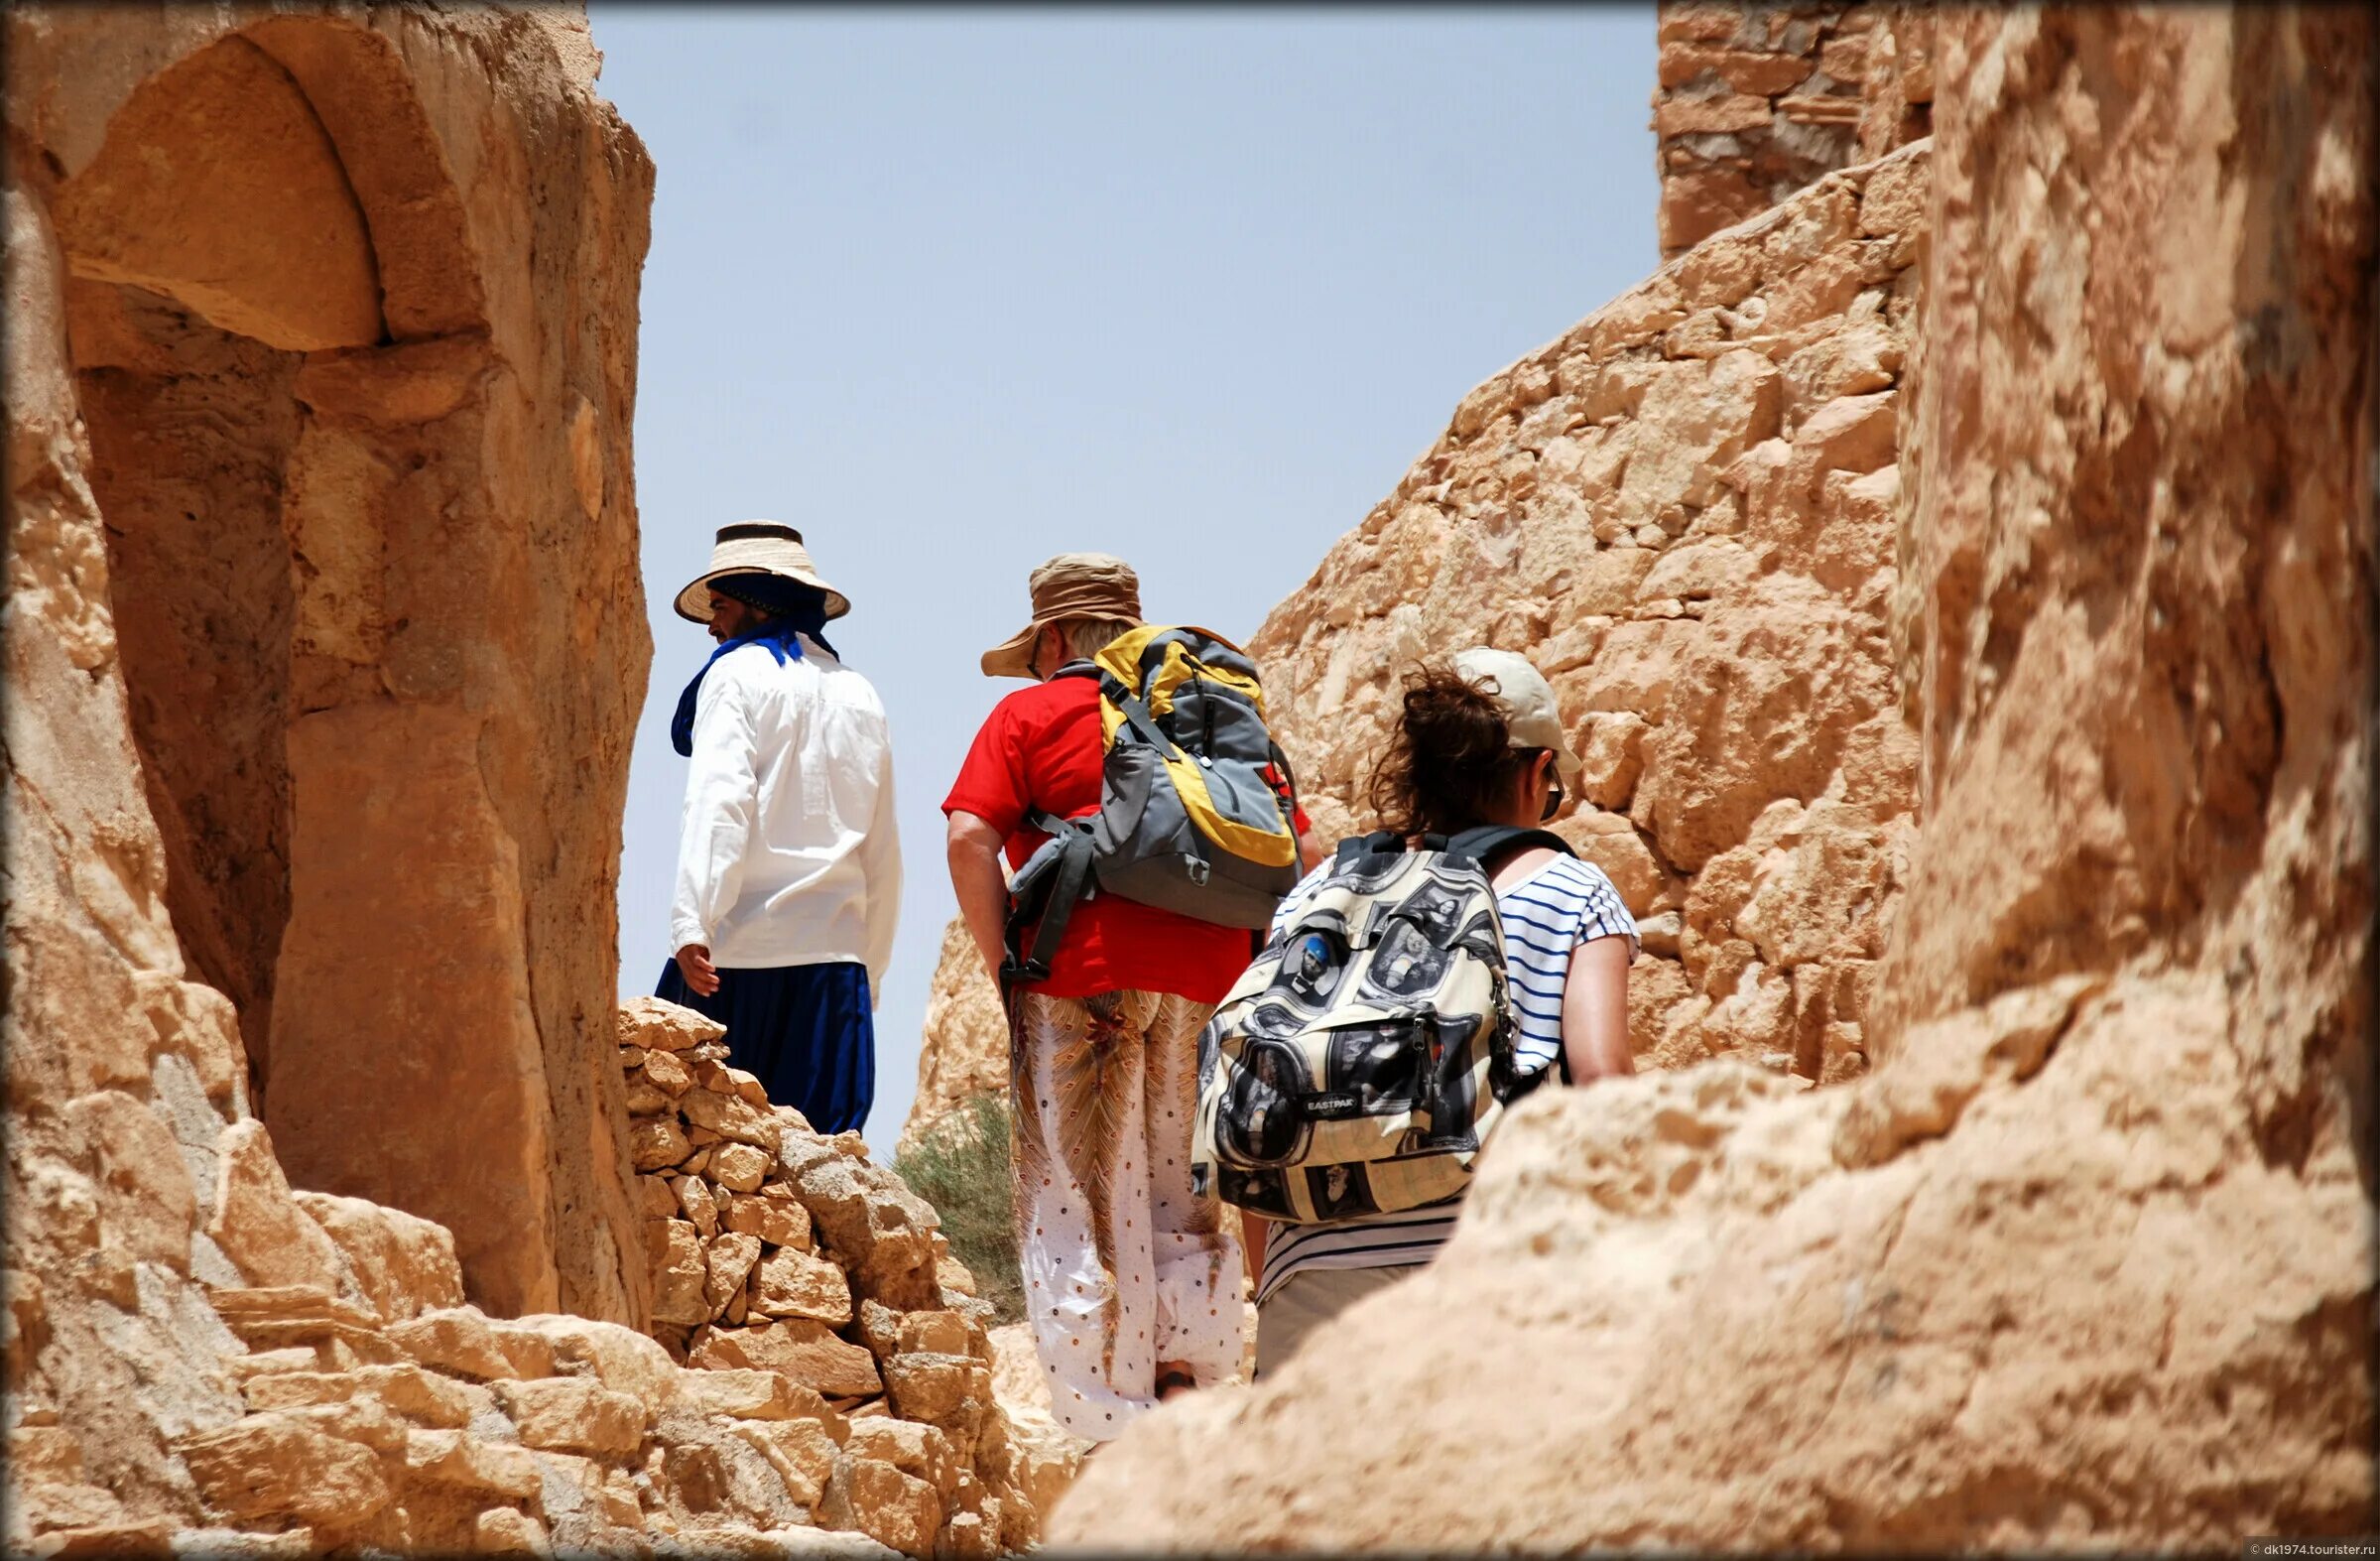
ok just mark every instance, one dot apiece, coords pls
pixel 1198 871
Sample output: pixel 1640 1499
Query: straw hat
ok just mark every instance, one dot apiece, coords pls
pixel 1526 699
pixel 1070 586
pixel 756 546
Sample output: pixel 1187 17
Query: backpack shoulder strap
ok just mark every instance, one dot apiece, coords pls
pixel 1357 847
pixel 1490 840
pixel 1049 894
pixel 1081 667
pixel 1136 713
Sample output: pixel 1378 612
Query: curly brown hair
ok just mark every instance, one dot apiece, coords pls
pixel 1450 764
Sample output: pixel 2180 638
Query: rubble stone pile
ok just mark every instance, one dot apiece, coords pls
pixel 778 1250
pixel 820 1380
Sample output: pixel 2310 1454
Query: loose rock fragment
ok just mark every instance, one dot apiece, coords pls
pixel 795 1285
pixel 281 1466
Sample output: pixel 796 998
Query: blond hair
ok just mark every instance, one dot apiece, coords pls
pixel 1084 638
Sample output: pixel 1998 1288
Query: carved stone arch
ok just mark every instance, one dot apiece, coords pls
pixel 219 188
pixel 361 90
pixel 278 327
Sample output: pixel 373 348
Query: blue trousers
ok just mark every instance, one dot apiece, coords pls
pixel 804 1030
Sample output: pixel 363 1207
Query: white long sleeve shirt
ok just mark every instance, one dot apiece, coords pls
pixel 788 854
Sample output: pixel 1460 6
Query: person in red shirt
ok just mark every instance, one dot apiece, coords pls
pixel 1131 1281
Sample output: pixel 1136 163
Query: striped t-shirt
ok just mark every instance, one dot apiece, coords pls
pixel 1546 915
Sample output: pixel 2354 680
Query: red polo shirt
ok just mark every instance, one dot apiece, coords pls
pixel 1040 748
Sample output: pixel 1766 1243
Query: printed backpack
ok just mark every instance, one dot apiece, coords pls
pixel 1196 799
pixel 1359 1064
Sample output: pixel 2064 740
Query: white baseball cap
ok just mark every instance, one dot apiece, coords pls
pixel 1526 699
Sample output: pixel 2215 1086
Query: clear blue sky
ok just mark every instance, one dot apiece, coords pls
pixel 952 291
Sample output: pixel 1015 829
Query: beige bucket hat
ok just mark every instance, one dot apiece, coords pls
pixel 1521 691
pixel 756 546
pixel 1070 586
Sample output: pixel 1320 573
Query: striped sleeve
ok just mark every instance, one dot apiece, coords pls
pixel 1545 917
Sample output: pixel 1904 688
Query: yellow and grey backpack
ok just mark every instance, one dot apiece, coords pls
pixel 1357 1067
pixel 1196 798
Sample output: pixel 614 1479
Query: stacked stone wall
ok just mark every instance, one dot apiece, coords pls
pixel 1754 102
pixel 1757 101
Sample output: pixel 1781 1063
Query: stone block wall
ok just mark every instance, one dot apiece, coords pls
pixel 1756 102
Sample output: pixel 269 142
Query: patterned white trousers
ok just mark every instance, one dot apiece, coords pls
pixel 1123 1267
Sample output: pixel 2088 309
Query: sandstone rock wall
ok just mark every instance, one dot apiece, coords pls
pixel 1762 940
pixel 964 1052
pixel 2088 1260
pixel 325 635
pixel 323 641
pixel 1682 510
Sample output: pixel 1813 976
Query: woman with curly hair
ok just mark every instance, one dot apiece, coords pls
pixel 1478 741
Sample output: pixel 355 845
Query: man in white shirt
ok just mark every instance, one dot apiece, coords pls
pixel 789 867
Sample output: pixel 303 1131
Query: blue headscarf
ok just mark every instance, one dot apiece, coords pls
pixel 792 610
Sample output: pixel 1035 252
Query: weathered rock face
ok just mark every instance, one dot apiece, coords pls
pixel 2087 1259
pixel 965 1048
pixel 325 635
pixel 1683 512
pixel 323 644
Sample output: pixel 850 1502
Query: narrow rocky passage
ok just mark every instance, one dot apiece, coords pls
pixel 1955 563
